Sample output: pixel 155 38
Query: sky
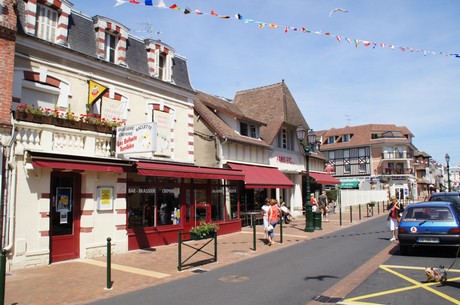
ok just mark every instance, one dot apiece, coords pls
pixel 334 83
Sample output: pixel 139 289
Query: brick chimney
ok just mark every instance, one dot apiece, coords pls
pixel 7 48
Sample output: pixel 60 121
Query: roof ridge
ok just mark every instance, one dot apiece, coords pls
pixel 261 87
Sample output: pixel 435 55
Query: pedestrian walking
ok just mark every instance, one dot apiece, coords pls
pixel 264 213
pixel 392 218
pixel 314 203
pixel 323 205
pixel 273 215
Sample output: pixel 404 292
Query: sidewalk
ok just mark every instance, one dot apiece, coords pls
pixel 84 281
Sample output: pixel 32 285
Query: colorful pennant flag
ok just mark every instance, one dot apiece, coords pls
pixel 357 42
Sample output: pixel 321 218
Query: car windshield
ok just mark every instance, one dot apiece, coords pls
pixel 429 213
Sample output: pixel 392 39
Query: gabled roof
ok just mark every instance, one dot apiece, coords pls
pixel 208 106
pixel 362 135
pixel 273 105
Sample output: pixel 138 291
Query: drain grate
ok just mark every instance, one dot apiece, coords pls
pixel 234 278
pixel 326 299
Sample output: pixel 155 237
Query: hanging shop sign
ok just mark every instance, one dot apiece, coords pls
pixel 136 138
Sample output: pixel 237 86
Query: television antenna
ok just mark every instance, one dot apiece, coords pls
pixel 148 30
pixel 348 117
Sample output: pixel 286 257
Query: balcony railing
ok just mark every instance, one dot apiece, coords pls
pixel 397 171
pixel 50 138
pixel 396 155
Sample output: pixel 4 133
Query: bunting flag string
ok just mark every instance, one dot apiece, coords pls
pixel 286 29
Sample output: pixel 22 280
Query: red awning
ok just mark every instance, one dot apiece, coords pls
pixel 187 171
pixel 324 178
pixel 80 166
pixel 262 177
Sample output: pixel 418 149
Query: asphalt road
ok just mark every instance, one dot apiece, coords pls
pixel 292 275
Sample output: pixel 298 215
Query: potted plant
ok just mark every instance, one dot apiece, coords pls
pixel 371 204
pixel 204 230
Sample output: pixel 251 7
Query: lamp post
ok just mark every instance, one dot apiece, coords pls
pixel 306 141
pixel 448 174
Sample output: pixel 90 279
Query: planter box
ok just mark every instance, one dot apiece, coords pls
pixel 195 236
pixel 50 120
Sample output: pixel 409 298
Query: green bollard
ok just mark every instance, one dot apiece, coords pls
pixel 109 263
pixel 179 254
pixel 309 218
pixel 254 239
pixel 281 230
pixel 351 213
pixel 2 275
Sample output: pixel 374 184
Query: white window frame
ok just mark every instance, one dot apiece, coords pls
pixel 46 23
pixel 331 140
pixel 109 48
pixel 346 138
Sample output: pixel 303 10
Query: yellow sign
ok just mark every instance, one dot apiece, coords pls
pixel 95 91
pixel 106 196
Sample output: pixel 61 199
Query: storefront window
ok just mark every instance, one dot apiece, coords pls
pixel 231 203
pixel 141 204
pixel 217 203
pixel 168 206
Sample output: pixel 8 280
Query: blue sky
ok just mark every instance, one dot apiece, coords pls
pixel 334 83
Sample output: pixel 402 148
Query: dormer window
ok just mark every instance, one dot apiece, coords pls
pixel 110 47
pixel 331 140
pixel 346 138
pixel 111 40
pixel 48 20
pixel 160 58
pixel 161 65
pixel 248 130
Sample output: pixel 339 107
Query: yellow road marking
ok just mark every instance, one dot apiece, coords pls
pixel 149 273
pixel 417 285
pixel 289 235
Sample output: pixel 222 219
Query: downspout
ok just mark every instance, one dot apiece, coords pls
pixel 10 198
pixel 221 154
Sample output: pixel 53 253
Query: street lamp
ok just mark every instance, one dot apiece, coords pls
pixel 448 174
pixel 307 140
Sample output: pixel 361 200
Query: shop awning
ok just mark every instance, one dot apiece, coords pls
pixel 187 171
pixel 78 163
pixel 262 177
pixel 349 185
pixel 80 166
pixel 322 178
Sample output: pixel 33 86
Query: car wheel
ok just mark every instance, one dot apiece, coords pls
pixel 404 250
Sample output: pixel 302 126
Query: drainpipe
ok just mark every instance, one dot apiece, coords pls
pixel 10 198
pixel 221 154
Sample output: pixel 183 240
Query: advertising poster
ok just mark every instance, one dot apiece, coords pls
pixel 136 138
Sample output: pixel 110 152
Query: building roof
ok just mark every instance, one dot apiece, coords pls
pixel 208 107
pixel 273 105
pixel 362 135
pixel 82 40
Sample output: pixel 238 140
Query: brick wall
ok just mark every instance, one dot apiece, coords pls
pixel 7 49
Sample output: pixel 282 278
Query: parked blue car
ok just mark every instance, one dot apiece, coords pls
pixel 429 224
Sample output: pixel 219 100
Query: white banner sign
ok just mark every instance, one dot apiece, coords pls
pixel 136 138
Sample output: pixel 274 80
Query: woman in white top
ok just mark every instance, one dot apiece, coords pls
pixel 264 213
